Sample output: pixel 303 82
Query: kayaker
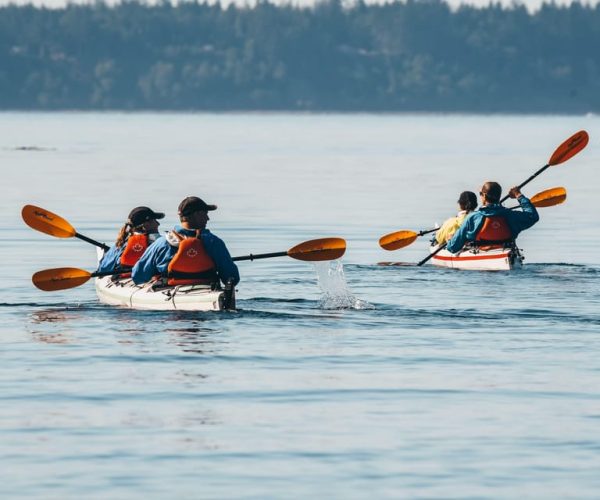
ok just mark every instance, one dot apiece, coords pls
pixel 189 253
pixel 492 223
pixel 467 202
pixel 137 234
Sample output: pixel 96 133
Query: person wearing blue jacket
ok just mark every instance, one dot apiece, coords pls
pixel 193 214
pixel 491 193
pixel 141 220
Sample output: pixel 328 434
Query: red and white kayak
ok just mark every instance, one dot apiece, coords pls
pixel 480 259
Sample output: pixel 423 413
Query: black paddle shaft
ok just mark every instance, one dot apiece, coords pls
pixel 527 181
pixel 93 242
pixel 261 256
pixel 439 249
pixel 105 273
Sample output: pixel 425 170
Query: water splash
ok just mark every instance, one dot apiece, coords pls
pixel 336 294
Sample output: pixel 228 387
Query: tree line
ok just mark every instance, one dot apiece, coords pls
pixel 415 55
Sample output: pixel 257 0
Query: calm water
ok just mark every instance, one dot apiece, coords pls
pixel 404 382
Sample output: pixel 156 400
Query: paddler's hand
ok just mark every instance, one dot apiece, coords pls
pixel 514 192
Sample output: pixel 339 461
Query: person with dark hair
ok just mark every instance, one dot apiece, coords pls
pixel 467 202
pixel 492 224
pixel 190 253
pixel 139 231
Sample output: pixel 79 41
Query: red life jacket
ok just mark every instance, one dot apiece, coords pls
pixel 135 248
pixel 495 230
pixel 191 264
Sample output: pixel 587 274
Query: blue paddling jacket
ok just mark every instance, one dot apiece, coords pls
pixel 157 257
pixel 111 261
pixel 517 221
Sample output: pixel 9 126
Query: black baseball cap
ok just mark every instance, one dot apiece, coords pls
pixel 193 204
pixel 139 215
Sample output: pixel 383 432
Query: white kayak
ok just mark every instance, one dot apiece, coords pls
pixel 480 259
pixel 156 297
pixel 149 296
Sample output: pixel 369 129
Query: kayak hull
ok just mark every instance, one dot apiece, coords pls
pixel 479 259
pixel 125 293
pixel 149 297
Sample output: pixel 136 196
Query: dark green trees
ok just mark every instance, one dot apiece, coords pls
pixel 409 56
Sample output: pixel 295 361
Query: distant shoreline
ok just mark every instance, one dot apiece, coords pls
pixel 401 57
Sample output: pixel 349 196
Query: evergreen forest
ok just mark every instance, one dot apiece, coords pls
pixel 415 55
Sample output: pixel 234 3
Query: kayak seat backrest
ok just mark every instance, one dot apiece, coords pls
pixel 494 233
pixel 135 248
pixel 191 264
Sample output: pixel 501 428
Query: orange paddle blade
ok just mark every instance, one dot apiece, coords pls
pixel 321 249
pixel 399 239
pixel 60 278
pixel 550 197
pixel 47 222
pixel 569 148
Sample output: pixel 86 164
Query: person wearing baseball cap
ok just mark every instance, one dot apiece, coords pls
pixel 189 253
pixel 136 235
pixel 493 223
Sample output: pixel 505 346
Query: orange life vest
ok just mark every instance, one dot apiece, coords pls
pixel 191 264
pixel 495 230
pixel 135 248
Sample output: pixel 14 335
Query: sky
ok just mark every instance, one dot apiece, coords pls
pixel 532 5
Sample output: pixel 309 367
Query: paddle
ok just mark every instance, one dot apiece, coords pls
pixel 63 278
pixel 548 198
pixel 311 251
pixel 401 239
pixel 564 152
pixel 47 222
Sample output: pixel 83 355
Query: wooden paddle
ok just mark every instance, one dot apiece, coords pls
pixel 63 278
pixel 564 152
pixel 401 239
pixel 47 222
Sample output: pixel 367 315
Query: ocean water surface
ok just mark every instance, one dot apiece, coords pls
pixel 343 379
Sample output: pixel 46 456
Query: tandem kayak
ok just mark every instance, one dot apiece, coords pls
pixel 504 258
pixel 154 297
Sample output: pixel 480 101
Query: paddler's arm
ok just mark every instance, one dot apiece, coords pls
pixel 155 259
pixel 529 214
pixel 111 259
pixel 216 249
pixel 465 232
pixel 448 228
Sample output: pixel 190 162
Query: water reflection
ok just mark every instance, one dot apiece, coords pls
pixel 53 320
pixel 193 338
pixel 189 333
pixel 54 316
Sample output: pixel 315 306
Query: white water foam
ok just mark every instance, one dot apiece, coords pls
pixel 336 293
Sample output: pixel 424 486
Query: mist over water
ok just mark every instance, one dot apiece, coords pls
pixel 332 379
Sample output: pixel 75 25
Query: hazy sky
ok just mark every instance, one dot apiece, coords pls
pixel 531 4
